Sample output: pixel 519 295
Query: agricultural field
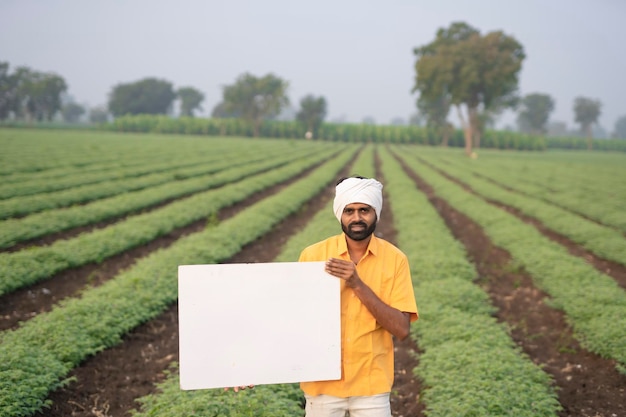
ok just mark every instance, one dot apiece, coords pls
pixel 518 261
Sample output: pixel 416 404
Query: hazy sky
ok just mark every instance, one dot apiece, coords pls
pixel 357 54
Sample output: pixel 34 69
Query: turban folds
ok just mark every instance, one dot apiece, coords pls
pixel 356 190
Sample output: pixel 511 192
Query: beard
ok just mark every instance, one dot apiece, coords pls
pixel 358 234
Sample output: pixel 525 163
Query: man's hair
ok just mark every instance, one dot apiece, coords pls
pixel 342 179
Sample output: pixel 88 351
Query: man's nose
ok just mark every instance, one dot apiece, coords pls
pixel 357 216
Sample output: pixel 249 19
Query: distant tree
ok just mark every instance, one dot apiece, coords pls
pixel 255 98
pixel 436 113
pixel 190 100
pixel 221 112
pixel 39 94
pixel 71 112
pixel 312 113
pixel 146 96
pixel 397 121
pixel 470 70
pixel 557 128
pixel 30 94
pixel 368 120
pixel 534 113
pixel 416 119
pixel 586 112
pixel 620 128
pixel 8 91
pixel 98 115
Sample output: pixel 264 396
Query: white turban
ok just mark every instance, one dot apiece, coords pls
pixel 356 190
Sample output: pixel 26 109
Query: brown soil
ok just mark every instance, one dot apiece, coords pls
pixel 588 385
pixel 108 383
pixel 611 268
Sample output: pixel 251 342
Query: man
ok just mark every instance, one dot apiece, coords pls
pixel 377 302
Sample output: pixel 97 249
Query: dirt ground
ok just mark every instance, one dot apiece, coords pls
pixel 108 384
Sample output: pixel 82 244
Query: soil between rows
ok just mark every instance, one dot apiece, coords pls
pixel 588 385
pixel 108 383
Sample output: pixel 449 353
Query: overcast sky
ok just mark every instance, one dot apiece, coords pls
pixel 357 54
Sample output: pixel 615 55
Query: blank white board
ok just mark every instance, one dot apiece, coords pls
pixel 260 323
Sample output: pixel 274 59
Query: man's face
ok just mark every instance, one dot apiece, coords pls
pixel 358 221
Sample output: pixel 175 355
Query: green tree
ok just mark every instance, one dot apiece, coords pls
pixel 312 113
pixel 98 115
pixel 8 91
pixel 71 112
pixel 620 128
pixel 255 98
pixel 478 74
pixel 220 112
pixel 146 96
pixel 534 113
pixel 30 94
pixel 190 100
pixel 436 114
pixel 586 112
pixel 39 94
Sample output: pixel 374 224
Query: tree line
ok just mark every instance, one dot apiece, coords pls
pixel 478 76
pixel 475 74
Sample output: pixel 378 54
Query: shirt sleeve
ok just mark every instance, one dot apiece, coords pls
pixel 403 293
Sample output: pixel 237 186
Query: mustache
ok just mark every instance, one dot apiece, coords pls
pixel 358 224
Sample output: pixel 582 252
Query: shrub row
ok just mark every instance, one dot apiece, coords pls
pixel 149 176
pixel 470 365
pixel 593 303
pixel 171 401
pixel 40 224
pixel 35 357
pixel 601 240
pixel 328 131
pixel 589 184
pixel 29 266
pixel 123 169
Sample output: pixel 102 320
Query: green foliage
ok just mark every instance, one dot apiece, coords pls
pixel 190 99
pixel 29 94
pixel 58 340
pixel 327 131
pixel 71 112
pixel 593 302
pixel 461 67
pixel 255 98
pixel 146 96
pixel 540 200
pixel 470 365
pixel 586 112
pixel 312 113
pixel 28 266
pixel 620 128
pixel 534 113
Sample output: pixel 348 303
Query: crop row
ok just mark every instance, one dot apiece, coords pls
pixel 591 187
pixel 593 302
pixel 36 152
pixel 59 180
pixel 604 241
pixel 29 266
pixel 39 224
pixel 470 365
pixel 463 342
pixel 148 176
pixel 35 357
pixel 278 400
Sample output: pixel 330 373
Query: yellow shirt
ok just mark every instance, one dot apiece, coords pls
pixel 366 347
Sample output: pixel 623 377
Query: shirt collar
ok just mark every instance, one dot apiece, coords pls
pixel 372 247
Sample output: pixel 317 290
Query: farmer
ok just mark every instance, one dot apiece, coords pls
pixel 377 302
